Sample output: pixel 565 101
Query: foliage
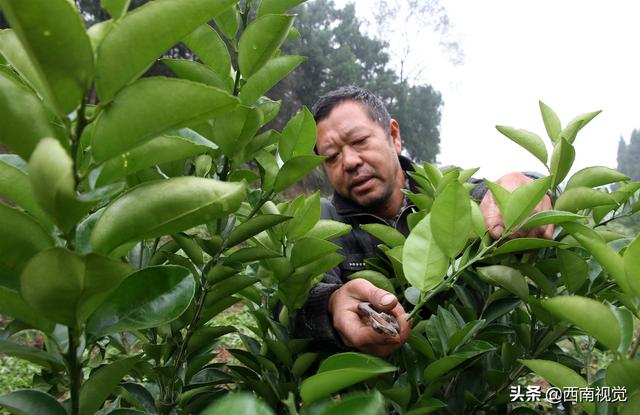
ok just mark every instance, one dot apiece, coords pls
pixel 132 224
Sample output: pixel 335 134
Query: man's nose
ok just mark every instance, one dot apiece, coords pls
pixel 351 159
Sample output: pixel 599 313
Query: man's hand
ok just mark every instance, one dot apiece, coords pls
pixel 354 330
pixel 493 218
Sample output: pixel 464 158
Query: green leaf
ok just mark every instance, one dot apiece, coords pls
pixel 571 130
pixel 561 161
pixel 625 319
pixel 268 169
pixel 102 382
pixel 32 354
pixel 163 207
pixel 527 140
pixel 148 298
pixel 226 288
pixel 307 250
pixel 451 219
pixel 370 403
pixel 15 186
pixel 433 173
pixel 152 106
pixel 595 176
pixel 66 287
pixel 31 401
pixel 158 25
pixel 500 194
pixel 424 264
pixel 294 170
pixel 298 136
pixel 159 150
pixel 574 269
pixel 238 404
pixel 250 254
pixel 12 304
pixel 506 277
pixel 197 72
pixel 260 40
pixel 477 219
pixel 340 371
pixel 387 234
pixel 268 76
pixel 524 244
pixel 234 131
pixel 375 278
pixel 253 227
pixel 21 237
pixel 53 184
pixel 53 35
pixel 207 44
pixel 305 218
pixel 631 407
pixel 442 366
pixel 632 265
pixel 551 121
pixel 547 217
pixel 13 51
pixel 590 315
pixel 328 229
pixel 115 8
pixel 607 257
pixel 276 6
pixel 523 200
pixel 559 376
pixel 228 22
pixel 24 119
pixel 579 198
pixel 624 373
pixel 205 337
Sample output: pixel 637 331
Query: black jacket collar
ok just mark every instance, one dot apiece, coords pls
pixel 347 207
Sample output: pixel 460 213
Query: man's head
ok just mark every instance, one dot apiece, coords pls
pixel 361 142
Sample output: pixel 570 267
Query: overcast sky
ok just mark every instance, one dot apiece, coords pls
pixel 575 55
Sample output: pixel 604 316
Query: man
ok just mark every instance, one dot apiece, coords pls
pixel 362 146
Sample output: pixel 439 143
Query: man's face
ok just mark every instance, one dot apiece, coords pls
pixel 362 160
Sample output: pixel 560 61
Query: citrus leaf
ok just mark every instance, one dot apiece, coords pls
pixel 423 262
pixel 158 25
pixel 53 35
pixel 590 315
pixel 164 207
pixel 340 371
pixel 527 140
pixel 152 106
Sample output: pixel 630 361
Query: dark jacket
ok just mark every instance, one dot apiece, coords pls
pixel 313 320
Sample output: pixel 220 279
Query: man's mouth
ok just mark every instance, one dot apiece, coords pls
pixel 361 183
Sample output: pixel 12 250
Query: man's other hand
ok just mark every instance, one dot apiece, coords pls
pixel 355 331
pixel 493 217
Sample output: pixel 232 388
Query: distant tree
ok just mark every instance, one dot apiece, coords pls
pixel 340 53
pixel 629 156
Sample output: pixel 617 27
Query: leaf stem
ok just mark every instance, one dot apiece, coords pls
pixel 447 283
pixel 75 371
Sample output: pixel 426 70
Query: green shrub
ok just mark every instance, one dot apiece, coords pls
pixel 141 209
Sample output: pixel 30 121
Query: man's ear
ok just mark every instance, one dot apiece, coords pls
pixel 394 134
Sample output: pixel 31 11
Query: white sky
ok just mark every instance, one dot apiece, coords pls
pixel 575 55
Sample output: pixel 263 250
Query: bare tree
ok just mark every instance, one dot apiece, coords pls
pixel 404 23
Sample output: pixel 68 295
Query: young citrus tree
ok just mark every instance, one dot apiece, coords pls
pixel 128 203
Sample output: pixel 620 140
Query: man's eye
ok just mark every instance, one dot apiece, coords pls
pixel 331 159
pixel 360 141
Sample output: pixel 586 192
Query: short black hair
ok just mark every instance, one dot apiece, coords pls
pixel 372 103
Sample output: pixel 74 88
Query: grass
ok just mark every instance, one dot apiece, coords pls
pixel 15 374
